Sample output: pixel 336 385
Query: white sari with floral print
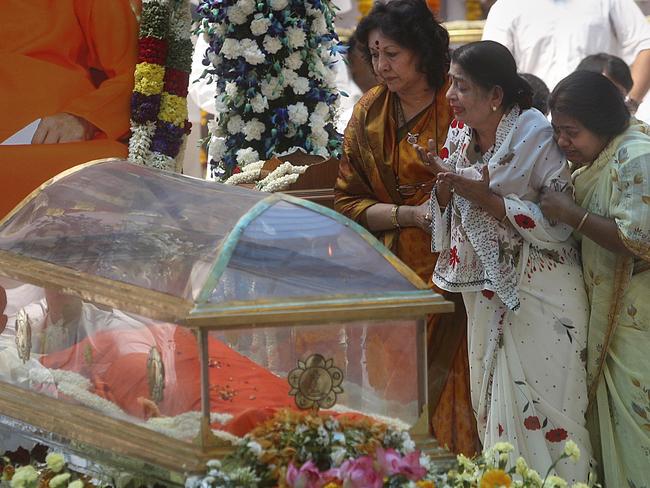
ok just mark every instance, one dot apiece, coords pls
pixel 524 293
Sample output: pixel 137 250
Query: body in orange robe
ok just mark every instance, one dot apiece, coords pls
pixel 376 155
pixel 48 51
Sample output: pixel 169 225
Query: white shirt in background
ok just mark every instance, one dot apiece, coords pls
pixel 548 38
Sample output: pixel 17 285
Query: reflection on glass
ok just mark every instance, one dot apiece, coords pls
pixel 290 250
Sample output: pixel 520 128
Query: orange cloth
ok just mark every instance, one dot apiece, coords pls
pixel 116 363
pixel 47 50
pixel 374 163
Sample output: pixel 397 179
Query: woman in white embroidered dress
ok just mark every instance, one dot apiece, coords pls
pixel 520 275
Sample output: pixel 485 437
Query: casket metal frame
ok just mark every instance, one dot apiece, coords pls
pixel 209 278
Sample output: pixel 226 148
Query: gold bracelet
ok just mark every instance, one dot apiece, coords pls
pixel 504 218
pixel 582 222
pixel 393 216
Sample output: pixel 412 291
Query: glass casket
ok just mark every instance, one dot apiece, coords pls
pixel 150 317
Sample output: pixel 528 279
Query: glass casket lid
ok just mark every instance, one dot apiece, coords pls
pixel 165 244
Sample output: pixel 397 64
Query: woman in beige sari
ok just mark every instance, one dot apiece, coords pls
pixel 612 216
pixel 384 186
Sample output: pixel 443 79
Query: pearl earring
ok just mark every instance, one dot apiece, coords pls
pixel 494 108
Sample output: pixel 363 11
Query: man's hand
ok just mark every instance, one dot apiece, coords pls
pixel 63 127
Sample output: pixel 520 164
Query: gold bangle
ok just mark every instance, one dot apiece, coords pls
pixel 504 218
pixel 393 216
pixel 582 221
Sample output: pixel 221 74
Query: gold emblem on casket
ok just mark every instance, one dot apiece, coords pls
pixel 155 375
pixel 23 335
pixel 315 383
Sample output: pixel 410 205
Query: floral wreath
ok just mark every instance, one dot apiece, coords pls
pixel 272 64
pixel 159 124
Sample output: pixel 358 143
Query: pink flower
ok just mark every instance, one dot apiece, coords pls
pixel 391 462
pixel 360 473
pixel 308 476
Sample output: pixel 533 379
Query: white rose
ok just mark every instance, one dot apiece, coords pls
pixel 293 61
pixel 272 44
pixel 218 30
pixel 246 6
pixel 296 37
pixel 318 25
pixel 321 110
pixel 247 156
pixel 220 104
pixel 259 103
pixel 236 15
pixel 271 88
pixel 279 4
pixel 260 25
pixel 217 148
pixel 214 58
pixel 318 71
pixel 300 85
pixel 230 48
pixel 319 137
pixel 235 124
pixel 298 113
pixel 231 88
pixel 251 52
pixel 288 76
pixel 253 130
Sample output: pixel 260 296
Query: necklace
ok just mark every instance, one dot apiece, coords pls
pixel 411 137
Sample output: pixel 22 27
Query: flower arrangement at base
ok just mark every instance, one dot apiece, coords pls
pixel 489 470
pixel 159 124
pixel 272 65
pixel 50 472
pixel 311 450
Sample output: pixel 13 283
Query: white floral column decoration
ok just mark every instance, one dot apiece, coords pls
pixel 272 62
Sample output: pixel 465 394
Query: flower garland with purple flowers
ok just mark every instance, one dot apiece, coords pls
pixel 272 64
pixel 159 124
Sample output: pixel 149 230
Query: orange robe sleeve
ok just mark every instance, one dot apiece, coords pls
pixel 110 30
pixel 45 68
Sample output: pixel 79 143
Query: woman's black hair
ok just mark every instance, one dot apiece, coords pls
pixel 611 66
pixel 593 100
pixel 413 26
pixel 490 64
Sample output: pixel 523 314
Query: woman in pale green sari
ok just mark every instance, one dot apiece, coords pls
pixel 612 219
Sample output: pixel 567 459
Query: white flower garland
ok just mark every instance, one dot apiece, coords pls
pixel 250 174
pixel 281 177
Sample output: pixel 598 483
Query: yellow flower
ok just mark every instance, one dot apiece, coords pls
pixel 24 477
pixel 495 478
pixel 555 482
pixel 332 484
pixel 521 467
pixel 425 484
pixel 55 462
pixel 571 450
pixel 59 480
pixel 173 109
pixel 149 78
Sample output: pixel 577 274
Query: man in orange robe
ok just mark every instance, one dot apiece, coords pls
pixel 49 50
